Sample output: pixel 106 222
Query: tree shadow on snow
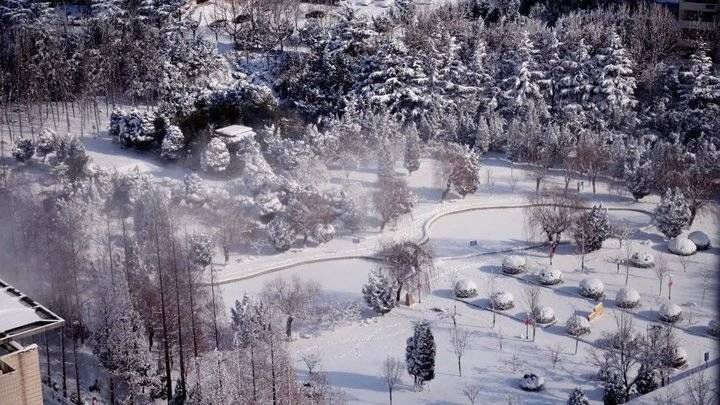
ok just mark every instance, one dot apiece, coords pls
pixel 350 380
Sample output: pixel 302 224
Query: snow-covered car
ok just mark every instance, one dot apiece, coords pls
pixel 514 264
pixel 577 326
pixel 682 246
pixel 465 288
pixel 627 297
pixel 592 288
pixel 642 259
pixel 532 382
pixel 669 312
pixel 700 239
pixel 501 300
pixel 549 276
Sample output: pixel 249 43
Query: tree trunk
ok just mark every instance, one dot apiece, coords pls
pixel 399 291
pixel 288 326
pixel 446 191
pixel 459 367
pixel 537 184
pixel 594 177
pixel 64 367
pixel 390 390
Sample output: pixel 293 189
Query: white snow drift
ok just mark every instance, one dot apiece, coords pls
pixel 681 246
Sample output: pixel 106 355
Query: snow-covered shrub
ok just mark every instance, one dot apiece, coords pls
pixel 577 326
pixel 544 314
pixel 200 248
pixel 669 312
pixel 173 143
pixel 280 233
pixel 627 297
pixel 614 392
pixel 714 327
pixel 215 157
pixel 322 233
pixel 592 288
pixel 647 380
pixel 642 259
pixel 501 300
pixel 194 190
pixel 532 382
pixel 592 228
pixel 465 288
pixel 550 276
pixel 679 358
pixel 23 150
pixel 45 144
pixel 578 397
pixel 672 214
pixel 681 246
pixel 700 239
pixel 132 128
pixel 514 264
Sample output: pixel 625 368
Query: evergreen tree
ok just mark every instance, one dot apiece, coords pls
pixel 379 292
pixel 413 149
pixel 578 397
pixel 614 393
pixel 420 354
pixel 281 233
pixel 699 93
pixel 173 143
pixel 215 157
pixel 592 228
pixel 46 143
pixel 572 76
pixel 201 247
pixel 647 380
pixel 521 83
pixel 673 213
pixel 615 80
pixel 638 173
pixel 23 150
pixel 405 10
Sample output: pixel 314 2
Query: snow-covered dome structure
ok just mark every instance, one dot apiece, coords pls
pixel 514 264
pixel 680 358
pixel 465 288
pixel 544 315
pixel 627 297
pixel 669 312
pixel 577 326
pixel 642 259
pixel 501 300
pixel 550 276
pixel 592 288
pixel 700 239
pixel 532 382
pixel 681 246
pixel 714 327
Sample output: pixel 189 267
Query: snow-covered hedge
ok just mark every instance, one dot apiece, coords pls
pixel 532 382
pixel 700 239
pixel 714 327
pixel 514 264
pixel 544 315
pixel 627 297
pixel 642 259
pixel 550 277
pixel 592 288
pixel 577 326
pixel 465 288
pixel 680 358
pixel 501 300
pixel 681 246
pixel 669 312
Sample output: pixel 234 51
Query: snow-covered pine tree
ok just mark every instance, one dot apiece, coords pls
pixel 615 80
pixel 647 380
pixel 23 150
pixel 638 173
pixel 404 11
pixel 592 228
pixel 614 393
pixel 521 81
pixel 281 233
pixel 215 157
pixel 578 397
pixel 699 92
pixel 673 213
pixel 413 149
pixel 572 76
pixel 200 248
pixel 379 292
pixel 45 144
pixel 173 143
pixel 16 13
pixel 420 354
pixel 459 168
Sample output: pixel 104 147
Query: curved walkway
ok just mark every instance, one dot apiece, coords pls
pixel 369 251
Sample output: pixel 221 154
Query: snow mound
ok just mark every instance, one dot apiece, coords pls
pixel 577 326
pixel 714 327
pixel 544 315
pixel 700 239
pixel 680 358
pixel 514 264
pixel 627 297
pixel 642 260
pixel 501 300
pixel 669 312
pixel 465 288
pixel 591 288
pixel 550 277
pixel 532 382
pixel 681 246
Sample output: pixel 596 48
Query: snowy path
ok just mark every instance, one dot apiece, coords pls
pixel 421 231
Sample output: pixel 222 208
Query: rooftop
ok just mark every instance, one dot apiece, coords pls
pixel 21 316
pixel 234 131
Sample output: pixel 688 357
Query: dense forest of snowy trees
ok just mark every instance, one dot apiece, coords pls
pixel 600 90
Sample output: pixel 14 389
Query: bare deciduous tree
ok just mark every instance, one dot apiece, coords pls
pixel 700 390
pixel 392 373
pixel 471 392
pixel 461 342
pixel 556 352
pixel 553 213
pixel 292 298
pixel 311 360
pixel 411 266
pixel 661 270
pixel 392 199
